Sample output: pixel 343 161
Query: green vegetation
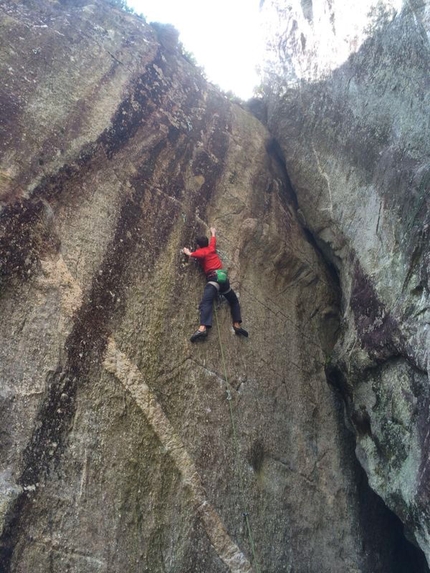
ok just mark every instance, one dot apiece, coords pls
pixel 191 59
pixel 121 4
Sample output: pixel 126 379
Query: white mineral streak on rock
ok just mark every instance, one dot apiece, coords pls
pixel 128 374
pixel 56 274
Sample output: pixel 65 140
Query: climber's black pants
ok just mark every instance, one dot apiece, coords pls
pixel 209 295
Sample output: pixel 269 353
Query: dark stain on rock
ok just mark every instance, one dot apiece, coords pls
pixel 376 328
pixel 17 240
pixel 147 168
pixel 85 348
pixel 361 421
pixel 274 150
pixel 145 97
pixel 203 163
pixel 25 234
pixel 208 163
pixel 173 135
pixel 256 455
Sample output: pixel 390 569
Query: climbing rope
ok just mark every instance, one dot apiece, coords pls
pixel 236 448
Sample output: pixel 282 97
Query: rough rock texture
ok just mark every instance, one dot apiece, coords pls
pixel 123 446
pixel 349 102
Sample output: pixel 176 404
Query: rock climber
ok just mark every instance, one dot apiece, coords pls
pixel 217 282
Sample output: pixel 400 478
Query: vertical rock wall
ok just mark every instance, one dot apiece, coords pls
pixel 123 446
pixel 349 103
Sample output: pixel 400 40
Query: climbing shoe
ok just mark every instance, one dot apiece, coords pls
pixel 240 331
pixel 199 335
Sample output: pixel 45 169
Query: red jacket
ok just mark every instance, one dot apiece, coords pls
pixel 208 257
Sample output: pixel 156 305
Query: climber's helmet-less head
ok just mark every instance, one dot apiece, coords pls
pixel 202 242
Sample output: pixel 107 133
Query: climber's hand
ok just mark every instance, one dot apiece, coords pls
pixel 186 251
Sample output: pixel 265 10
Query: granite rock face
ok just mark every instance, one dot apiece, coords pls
pixel 123 446
pixel 349 101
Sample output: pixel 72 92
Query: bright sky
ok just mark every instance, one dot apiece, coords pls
pixel 223 36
